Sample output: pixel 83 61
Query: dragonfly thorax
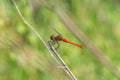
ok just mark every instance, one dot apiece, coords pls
pixel 58 38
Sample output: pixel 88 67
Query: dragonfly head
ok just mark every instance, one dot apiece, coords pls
pixel 52 37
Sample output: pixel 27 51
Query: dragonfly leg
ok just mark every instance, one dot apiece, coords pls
pixel 57 45
pixel 52 43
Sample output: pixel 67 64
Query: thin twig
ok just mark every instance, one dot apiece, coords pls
pixel 65 67
pixel 63 64
pixel 35 31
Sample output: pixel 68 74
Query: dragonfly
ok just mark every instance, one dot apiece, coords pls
pixel 57 38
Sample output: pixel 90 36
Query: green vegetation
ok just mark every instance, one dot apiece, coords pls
pixel 24 57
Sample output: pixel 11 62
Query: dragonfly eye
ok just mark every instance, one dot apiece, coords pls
pixel 52 37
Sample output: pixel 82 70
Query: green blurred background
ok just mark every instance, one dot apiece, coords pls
pixel 24 57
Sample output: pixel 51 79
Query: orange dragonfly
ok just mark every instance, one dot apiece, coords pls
pixel 59 37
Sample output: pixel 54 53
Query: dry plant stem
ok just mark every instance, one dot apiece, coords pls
pixel 65 67
pixel 35 31
pixel 79 34
pixel 62 63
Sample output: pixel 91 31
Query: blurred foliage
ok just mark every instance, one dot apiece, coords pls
pixel 24 57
